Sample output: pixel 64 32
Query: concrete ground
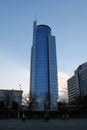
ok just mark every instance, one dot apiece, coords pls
pixel 72 124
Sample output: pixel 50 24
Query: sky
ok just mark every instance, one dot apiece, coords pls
pixel 68 21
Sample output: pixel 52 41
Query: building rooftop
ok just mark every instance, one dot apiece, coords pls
pixel 44 26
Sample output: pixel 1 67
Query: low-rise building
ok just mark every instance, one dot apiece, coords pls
pixel 10 96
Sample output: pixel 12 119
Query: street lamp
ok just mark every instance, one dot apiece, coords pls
pixel 20 86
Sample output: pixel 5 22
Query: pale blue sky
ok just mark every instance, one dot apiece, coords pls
pixel 68 20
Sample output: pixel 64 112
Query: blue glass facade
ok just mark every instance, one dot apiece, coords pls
pixel 53 74
pixel 43 81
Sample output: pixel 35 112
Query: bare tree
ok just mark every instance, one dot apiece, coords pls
pixel 29 102
pixel 25 100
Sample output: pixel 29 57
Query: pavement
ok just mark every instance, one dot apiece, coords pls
pixel 58 124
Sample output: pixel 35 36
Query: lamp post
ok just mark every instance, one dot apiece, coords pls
pixel 18 116
pixel 20 86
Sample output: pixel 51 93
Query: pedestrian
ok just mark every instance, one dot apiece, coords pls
pixel 23 117
pixel 46 116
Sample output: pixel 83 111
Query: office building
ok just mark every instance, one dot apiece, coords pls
pixel 43 77
pixel 77 84
pixel 72 89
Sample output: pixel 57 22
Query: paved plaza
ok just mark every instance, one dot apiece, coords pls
pixel 72 124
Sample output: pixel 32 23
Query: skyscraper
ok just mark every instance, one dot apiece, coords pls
pixel 43 77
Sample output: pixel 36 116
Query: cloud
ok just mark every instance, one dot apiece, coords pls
pixel 62 85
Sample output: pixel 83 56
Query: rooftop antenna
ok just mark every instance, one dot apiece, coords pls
pixel 36 17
